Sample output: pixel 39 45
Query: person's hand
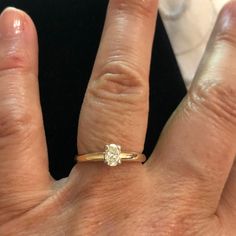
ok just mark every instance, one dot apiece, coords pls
pixel 187 187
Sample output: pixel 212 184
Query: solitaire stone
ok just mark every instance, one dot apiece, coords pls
pixel 112 155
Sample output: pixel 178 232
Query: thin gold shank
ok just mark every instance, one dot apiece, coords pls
pixel 99 156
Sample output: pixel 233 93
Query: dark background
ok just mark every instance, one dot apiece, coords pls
pixel 69 33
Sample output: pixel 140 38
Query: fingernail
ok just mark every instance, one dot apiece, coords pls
pixel 11 23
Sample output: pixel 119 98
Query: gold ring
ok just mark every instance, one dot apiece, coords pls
pixel 112 156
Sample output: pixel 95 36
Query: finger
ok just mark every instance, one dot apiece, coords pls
pixel 228 202
pixel 197 148
pixel 115 108
pixel 23 154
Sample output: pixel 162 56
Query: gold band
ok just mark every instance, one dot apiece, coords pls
pixel 99 156
pixel 112 156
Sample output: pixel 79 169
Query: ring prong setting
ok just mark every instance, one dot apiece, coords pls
pixel 112 155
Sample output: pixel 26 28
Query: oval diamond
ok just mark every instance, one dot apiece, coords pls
pixel 112 155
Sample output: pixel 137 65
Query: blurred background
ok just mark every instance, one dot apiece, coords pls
pixel 189 24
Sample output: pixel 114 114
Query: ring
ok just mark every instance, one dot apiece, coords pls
pixel 112 156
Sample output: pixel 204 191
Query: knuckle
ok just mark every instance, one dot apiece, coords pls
pixel 218 100
pixel 119 82
pixel 15 58
pixel 15 121
pixel 139 8
pixel 227 37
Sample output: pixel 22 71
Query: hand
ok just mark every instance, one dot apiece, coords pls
pixel 187 187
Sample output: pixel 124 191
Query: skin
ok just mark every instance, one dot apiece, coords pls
pixel 187 187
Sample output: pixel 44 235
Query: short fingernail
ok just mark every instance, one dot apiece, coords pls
pixel 11 23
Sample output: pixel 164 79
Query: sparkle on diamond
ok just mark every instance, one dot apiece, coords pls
pixel 112 155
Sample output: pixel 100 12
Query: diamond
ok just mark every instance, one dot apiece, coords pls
pixel 112 155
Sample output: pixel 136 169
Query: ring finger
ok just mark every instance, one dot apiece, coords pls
pixel 115 108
